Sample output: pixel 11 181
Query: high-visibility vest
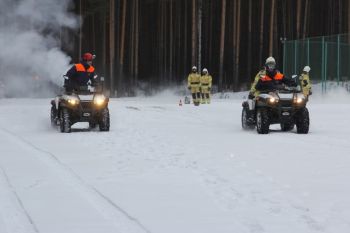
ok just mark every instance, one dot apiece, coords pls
pixel 80 68
pixel 277 77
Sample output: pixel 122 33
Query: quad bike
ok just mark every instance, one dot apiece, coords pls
pixel 81 104
pixel 285 106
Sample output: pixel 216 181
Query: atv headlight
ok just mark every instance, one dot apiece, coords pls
pixel 99 99
pixel 73 101
pixel 298 100
pixel 272 100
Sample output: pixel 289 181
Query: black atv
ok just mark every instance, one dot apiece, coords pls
pixel 286 106
pixel 80 104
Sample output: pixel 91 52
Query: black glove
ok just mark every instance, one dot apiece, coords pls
pixel 310 92
pixel 189 87
pixel 304 82
pixel 251 95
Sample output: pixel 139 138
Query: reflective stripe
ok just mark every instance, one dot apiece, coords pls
pixel 195 83
pixel 278 76
pixel 266 78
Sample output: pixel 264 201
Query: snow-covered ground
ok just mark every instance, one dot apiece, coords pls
pixel 169 169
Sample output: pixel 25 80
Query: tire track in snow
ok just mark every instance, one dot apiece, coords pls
pixel 119 217
pixel 13 212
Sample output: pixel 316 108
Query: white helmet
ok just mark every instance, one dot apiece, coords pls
pixel 307 69
pixel 194 68
pixel 205 70
pixel 270 60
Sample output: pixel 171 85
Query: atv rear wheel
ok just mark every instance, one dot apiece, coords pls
pixel 262 121
pixel 104 121
pixel 65 125
pixel 244 118
pixel 303 121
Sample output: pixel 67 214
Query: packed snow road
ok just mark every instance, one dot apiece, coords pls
pixel 168 169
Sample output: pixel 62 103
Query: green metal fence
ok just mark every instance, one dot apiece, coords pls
pixel 328 57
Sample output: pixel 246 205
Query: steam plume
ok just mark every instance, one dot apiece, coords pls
pixel 30 56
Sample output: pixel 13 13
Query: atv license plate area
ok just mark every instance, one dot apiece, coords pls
pixel 285 113
pixel 86 114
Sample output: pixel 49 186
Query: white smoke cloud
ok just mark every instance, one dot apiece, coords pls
pixel 30 56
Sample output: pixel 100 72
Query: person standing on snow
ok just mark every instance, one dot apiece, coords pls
pixel 206 82
pixel 81 73
pixel 193 84
pixel 305 82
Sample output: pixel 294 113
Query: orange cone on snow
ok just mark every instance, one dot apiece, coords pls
pixel 180 103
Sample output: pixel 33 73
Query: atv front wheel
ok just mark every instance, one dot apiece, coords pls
pixel 65 126
pixel 104 121
pixel 53 116
pixel 262 121
pixel 303 121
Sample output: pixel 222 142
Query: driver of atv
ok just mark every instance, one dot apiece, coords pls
pixel 80 74
pixel 273 80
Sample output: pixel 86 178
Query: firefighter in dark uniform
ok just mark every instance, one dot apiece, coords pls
pixel 81 73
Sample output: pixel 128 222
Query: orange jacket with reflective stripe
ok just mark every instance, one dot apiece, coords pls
pixel 278 77
pixel 80 74
pixel 80 68
pixel 270 83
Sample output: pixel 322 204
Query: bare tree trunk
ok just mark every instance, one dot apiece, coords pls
pixel 104 46
pixel 238 40
pixel 93 33
pixel 80 28
pixel 306 16
pixel 340 16
pixel 199 35
pixel 262 14
pixel 171 42
pixel 185 40
pixel 122 46
pixel 211 17
pixel 234 36
pixel 132 48
pixel 349 20
pixel 111 43
pixel 222 42
pixel 284 18
pixel 249 57
pixel 137 40
pixel 193 32
pixel 298 18
pixel 272 17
